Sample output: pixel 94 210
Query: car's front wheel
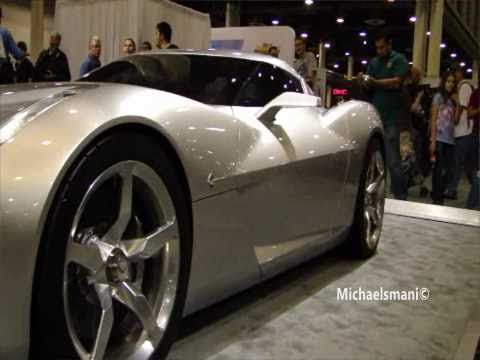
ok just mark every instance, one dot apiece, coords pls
pixel 113 269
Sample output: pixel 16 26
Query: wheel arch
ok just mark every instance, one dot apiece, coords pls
pixel 68 172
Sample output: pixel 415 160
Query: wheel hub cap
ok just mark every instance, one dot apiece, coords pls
pixel 119 268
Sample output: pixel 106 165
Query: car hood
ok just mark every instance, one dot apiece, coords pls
pixel 15 99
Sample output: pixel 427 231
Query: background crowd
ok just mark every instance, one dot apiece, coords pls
pixel 426 133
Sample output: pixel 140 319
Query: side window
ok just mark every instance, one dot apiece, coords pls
pixel 265 84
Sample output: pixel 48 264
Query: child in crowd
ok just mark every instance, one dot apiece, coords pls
pixel 442 123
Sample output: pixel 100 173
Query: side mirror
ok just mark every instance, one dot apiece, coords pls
pixel 287 100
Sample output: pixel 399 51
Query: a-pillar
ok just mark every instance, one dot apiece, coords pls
pixel 350 68
pixel 232 14
pixel 36 28
pixel 419 37
pixel 436 26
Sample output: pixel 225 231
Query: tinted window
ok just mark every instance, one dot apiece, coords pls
pixel 208 79
pixel 266 83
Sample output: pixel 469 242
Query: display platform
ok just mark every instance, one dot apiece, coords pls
pixel 296 315
pixel 433 212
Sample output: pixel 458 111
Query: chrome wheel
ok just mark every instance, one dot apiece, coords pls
pixel 374 199
pixel 122 265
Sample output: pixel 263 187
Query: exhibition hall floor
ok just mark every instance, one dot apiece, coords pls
pixel 297 315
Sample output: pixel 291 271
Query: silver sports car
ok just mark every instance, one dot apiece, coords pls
pixel 162 183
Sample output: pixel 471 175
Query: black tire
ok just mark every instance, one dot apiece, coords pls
pixel 357 245
pixel 49 333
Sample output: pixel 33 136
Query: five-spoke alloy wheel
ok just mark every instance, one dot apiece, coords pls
pixel 126 255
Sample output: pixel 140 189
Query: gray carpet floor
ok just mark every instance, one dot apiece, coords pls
pixel 297 315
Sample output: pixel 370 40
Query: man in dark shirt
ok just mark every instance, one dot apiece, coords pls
pixel 473 200
pixel 386 74
pixel 93 60
pixel 52 64
pixel 24 71
pixel 7 48
pixel 164 36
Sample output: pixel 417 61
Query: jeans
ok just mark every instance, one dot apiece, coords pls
pixel 399 186
pixel 442 170
pixel 466 158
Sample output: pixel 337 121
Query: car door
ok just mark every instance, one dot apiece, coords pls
pixel 289 172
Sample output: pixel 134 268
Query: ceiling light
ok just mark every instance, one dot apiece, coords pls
pixel 443 46
pixel 364 62
pixel 347 53
pixel 336 66
pixel 308 2
pixel 327 45
pixel 462 64
pixel 340 20
pixel 364 42
pixel 362 34
pixel 390 0
pixel 412 19
pixel 469 70
pixel 429 33
pixel 453 55
pixel 275 22
pixel 304 35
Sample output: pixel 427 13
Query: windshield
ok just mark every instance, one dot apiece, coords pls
pixel 208 79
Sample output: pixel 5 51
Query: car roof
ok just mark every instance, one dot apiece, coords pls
pixel 227 53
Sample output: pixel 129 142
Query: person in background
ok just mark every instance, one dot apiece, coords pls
pixel 473 200
pixel 274 51
pixel 52 63
pixel 129 46
pixel 8 47
pixel 463 136
pixel 444 111
pixel 164 36
pixel 93 60
pixel 24 70
pixel 386 74
pixel 146 46
pixel 305 63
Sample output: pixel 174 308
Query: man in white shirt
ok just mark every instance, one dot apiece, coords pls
pixel 305 63
pixel 463 135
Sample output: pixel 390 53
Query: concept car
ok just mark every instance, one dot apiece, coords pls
pixel 162 183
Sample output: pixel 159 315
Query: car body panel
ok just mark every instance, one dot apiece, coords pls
pixel 232 248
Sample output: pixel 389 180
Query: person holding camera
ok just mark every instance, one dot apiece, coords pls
pixel 386 73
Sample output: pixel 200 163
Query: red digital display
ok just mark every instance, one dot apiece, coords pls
pixel 340 92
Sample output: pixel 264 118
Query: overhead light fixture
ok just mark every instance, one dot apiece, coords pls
pixel 304 35
pixel 429 33
pixel 364 62
pixel 318 56
pixel 340 20
pixel 362 34
pixel 347 53
pixel 336 66
pixel 327 45
pixel 462 64
pixel 443 46
pixel 412 19
pixel 364 42
pixel 308 2
pixel 453 55
pixel 469 70
pixel 390 0
pixel 410 63
pixel 275 22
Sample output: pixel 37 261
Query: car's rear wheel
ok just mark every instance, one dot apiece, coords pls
pixel 368 219
pixel 113 268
